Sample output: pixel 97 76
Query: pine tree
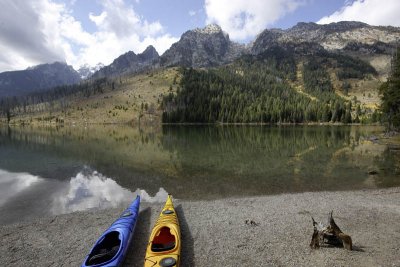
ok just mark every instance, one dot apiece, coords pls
pixel 390 92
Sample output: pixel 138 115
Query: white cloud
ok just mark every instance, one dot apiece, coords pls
pixel 55 35
pixel 374 12
pixel 192 13
pixel 26 33
pixel 246 18
pixel 120 29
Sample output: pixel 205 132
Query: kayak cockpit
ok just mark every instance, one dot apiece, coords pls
pixel 105 250
pixel 163 240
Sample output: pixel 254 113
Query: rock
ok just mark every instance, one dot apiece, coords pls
pixel 347 35
pixel 129 63
pixel 205 47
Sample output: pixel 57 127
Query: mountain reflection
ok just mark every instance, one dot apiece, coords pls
pixel 198 162
pixel 191 162
pixel 11 184
pixel 90 189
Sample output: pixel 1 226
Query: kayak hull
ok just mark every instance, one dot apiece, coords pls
pixel 111 247
pixel 164 247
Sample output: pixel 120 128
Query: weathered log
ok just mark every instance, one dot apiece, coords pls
pixel 331 235
pixel 346 239
pixel 315 236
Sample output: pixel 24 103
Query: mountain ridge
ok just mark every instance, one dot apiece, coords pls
pixel 211 46
pixel 129 63
pixel 37 78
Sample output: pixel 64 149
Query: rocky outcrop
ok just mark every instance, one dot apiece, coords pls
pixel 205 47
pixel 334 36
pixel 129 63
pixel 40 77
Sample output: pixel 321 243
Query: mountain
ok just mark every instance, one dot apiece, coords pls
pixel 373 44
pixel 85 71
pixel 307 73
pixel 205 47
pixel 38 78
pixel 333 36
pixel 129 63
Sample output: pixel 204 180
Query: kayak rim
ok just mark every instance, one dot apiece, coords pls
pixel 111 238
pixel 111 247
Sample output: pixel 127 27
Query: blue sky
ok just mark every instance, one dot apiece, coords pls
pixel 179 16
pixel 92 31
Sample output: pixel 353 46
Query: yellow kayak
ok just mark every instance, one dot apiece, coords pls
pixel 164 247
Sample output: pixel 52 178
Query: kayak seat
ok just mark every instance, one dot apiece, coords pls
pixel 163 241
pixel 162 247
pixel 105 250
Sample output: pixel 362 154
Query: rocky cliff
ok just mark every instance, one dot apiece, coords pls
pixel 373 44
pixel 205 47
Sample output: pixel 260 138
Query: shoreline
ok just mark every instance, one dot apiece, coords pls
pixel 313 123
pixel 214 233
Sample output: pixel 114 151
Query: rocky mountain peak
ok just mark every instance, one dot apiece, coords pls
pixel 306 26
pixel 204 47
pixel 344 25
pixel 331 36
pixel 209 29
pixel 130 63
pixel 150 53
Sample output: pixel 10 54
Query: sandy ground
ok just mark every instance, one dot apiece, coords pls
pixel 214 233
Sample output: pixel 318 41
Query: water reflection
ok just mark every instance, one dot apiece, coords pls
pixel 199 162
pixel 12 184
pixel 90 189
pixel 160 196
pixel 24 196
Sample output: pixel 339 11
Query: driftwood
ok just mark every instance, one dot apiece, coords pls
pixel 331 235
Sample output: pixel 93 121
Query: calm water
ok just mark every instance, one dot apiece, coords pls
pixel 46 171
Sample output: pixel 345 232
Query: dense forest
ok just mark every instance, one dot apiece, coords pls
pixel 390 91
pixel 257 89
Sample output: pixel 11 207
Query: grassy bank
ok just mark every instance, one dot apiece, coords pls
pixel 135 99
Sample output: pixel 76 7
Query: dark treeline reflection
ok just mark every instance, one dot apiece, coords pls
pixel 201 162
pixel 256 160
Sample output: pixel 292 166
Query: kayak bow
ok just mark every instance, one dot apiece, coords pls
pixel 164 246
pixel 110 249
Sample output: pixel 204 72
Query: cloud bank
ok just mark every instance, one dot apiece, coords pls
pixel 42 31
pixel 243 19
pixel 374 12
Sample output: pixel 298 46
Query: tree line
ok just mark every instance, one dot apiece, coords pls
pixel 32 102
pixel 255 89
pixel 390 92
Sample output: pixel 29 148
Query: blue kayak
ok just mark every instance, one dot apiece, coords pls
pixel 111 247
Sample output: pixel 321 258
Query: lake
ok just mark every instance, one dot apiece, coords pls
pixel 55 170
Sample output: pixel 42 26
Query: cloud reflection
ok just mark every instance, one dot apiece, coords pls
pixel 90 189
pixel 160 196
pixel 13 183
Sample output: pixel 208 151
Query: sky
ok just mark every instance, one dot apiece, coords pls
pixel 82 32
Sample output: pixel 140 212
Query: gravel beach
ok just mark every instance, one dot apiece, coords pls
pixel 214 233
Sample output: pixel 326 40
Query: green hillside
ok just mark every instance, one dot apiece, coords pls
pixel 277 86
pixel 280 85
pixel 125 99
